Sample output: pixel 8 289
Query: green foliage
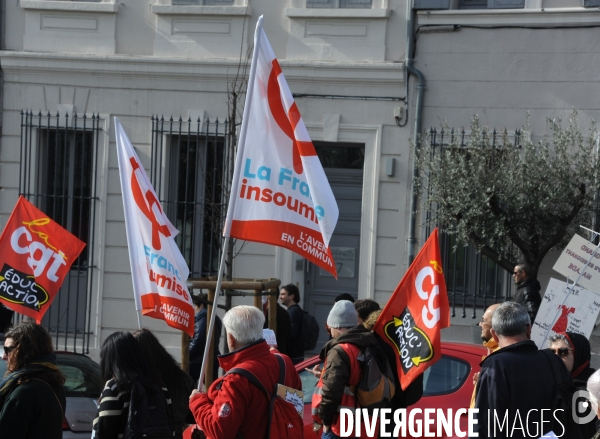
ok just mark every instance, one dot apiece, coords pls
pixel 512 201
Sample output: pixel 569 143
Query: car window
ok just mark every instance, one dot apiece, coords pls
pixel 309 381
pixel 83 378
pixel 445 376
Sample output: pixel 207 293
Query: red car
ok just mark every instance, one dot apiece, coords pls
pixel 448 384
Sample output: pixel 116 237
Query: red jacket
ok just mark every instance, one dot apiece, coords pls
pixel 232 404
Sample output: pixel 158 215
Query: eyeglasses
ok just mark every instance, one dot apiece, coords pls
pixel 561 352
pixel 9 349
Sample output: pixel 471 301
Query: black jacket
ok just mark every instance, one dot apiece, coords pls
pixel 32 411
pixel 528 295
pixel 296 351
pixel 517 378
pixel 199 341
pixel 284 328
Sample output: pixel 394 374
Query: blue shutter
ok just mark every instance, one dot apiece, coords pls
pixel 320 3
pixel 506 4
pixel 431 4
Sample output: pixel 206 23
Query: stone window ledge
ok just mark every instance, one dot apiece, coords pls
pixel 512 17
pixel 201 10
pixel 336 13
pixel 106 7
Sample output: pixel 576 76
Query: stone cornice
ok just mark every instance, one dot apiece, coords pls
pixel 544 17
pixel 375 74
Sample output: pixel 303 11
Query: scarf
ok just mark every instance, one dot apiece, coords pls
pixel 46 363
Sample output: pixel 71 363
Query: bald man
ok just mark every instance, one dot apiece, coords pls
pixel 488 342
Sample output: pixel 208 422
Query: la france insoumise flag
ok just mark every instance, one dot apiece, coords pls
pixel 280 194
pixel 158 268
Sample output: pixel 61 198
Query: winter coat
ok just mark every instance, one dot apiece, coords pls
pixel 32 411
pixel 519 378
pixel 199 341
pixel 341 373
pixel 296 351
pixel 284 328
pixel 528 295
pixel 232 404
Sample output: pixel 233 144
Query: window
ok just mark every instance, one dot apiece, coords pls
pixel 203 2
pixel 58 169
pixel 445 376
pixel 357 4
pixel 469 4
pixel 188 167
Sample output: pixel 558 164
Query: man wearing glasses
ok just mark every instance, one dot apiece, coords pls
pixel 528 290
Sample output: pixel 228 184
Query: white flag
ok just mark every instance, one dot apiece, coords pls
pixel 158 268
pixel 280 194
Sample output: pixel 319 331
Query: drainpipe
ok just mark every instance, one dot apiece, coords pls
pixel 410 24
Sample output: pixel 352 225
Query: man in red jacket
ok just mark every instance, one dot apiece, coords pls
pixel 233 405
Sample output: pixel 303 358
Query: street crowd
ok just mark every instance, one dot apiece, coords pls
pixel 519 391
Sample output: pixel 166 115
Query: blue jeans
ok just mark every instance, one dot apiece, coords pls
pixel 329 435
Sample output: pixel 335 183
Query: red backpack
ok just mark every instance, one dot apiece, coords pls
pixel 284 420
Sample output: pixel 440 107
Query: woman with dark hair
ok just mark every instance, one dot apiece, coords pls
pixel 574 349
pixel 32 399
pixel 179 383
pixel 122 363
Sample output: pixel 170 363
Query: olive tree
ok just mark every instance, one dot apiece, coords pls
pixel 514 200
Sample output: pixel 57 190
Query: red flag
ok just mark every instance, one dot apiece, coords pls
pixel 417 311
pixel 35 256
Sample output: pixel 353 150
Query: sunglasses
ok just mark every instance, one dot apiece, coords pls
pixel 561 352
pixel 9 349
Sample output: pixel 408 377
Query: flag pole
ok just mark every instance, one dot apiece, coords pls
pixel 234 190
pixel 139 318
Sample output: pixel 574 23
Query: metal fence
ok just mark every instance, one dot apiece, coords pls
pixel 191 170
pixel 473 280
pixel 58 174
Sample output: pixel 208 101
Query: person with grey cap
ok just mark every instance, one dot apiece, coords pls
pixel 342 368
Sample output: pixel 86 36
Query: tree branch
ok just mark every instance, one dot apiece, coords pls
pixel 523 245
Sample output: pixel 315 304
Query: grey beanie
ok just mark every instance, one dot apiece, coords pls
pixel 342 315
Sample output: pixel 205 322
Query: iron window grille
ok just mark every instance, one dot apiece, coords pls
pixel 190 170
pixel 472 279
pixel 58 174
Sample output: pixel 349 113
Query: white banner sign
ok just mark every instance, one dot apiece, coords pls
pixel 574 257
pixel 577 314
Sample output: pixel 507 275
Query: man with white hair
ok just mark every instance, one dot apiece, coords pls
pixel 233 406
pixel 517 383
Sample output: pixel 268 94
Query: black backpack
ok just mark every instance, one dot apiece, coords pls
pixel 376 387
pixel 564 425
pixel 149 413
pixel 310 331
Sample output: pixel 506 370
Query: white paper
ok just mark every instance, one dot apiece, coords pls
pixel 269 336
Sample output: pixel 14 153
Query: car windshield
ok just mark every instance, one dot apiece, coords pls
pixel 83 378
pixel 309 381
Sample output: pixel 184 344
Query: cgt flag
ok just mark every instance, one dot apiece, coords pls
pixel 158 269
pixel 280 194
pixel 35 256
pixel 418 309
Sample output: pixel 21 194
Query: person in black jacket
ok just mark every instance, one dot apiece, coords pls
pixel 199 340
pixel 284 326
pixel 289 296
pixel 179 383
pixel 516 382
pixel 528 290
pixel 32 398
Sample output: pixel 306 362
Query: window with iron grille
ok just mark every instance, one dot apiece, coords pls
pixel 472 279
pixel 360 4
pixel 59 159
pixel 190 162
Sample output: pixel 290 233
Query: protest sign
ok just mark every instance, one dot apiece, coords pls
pixel 574 258
pixel 417 311
pixel 158 268
pixel 36 254
pixel 578 313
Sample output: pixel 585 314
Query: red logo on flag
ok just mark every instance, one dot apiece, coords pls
pixel 417 311
pixel 35 256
